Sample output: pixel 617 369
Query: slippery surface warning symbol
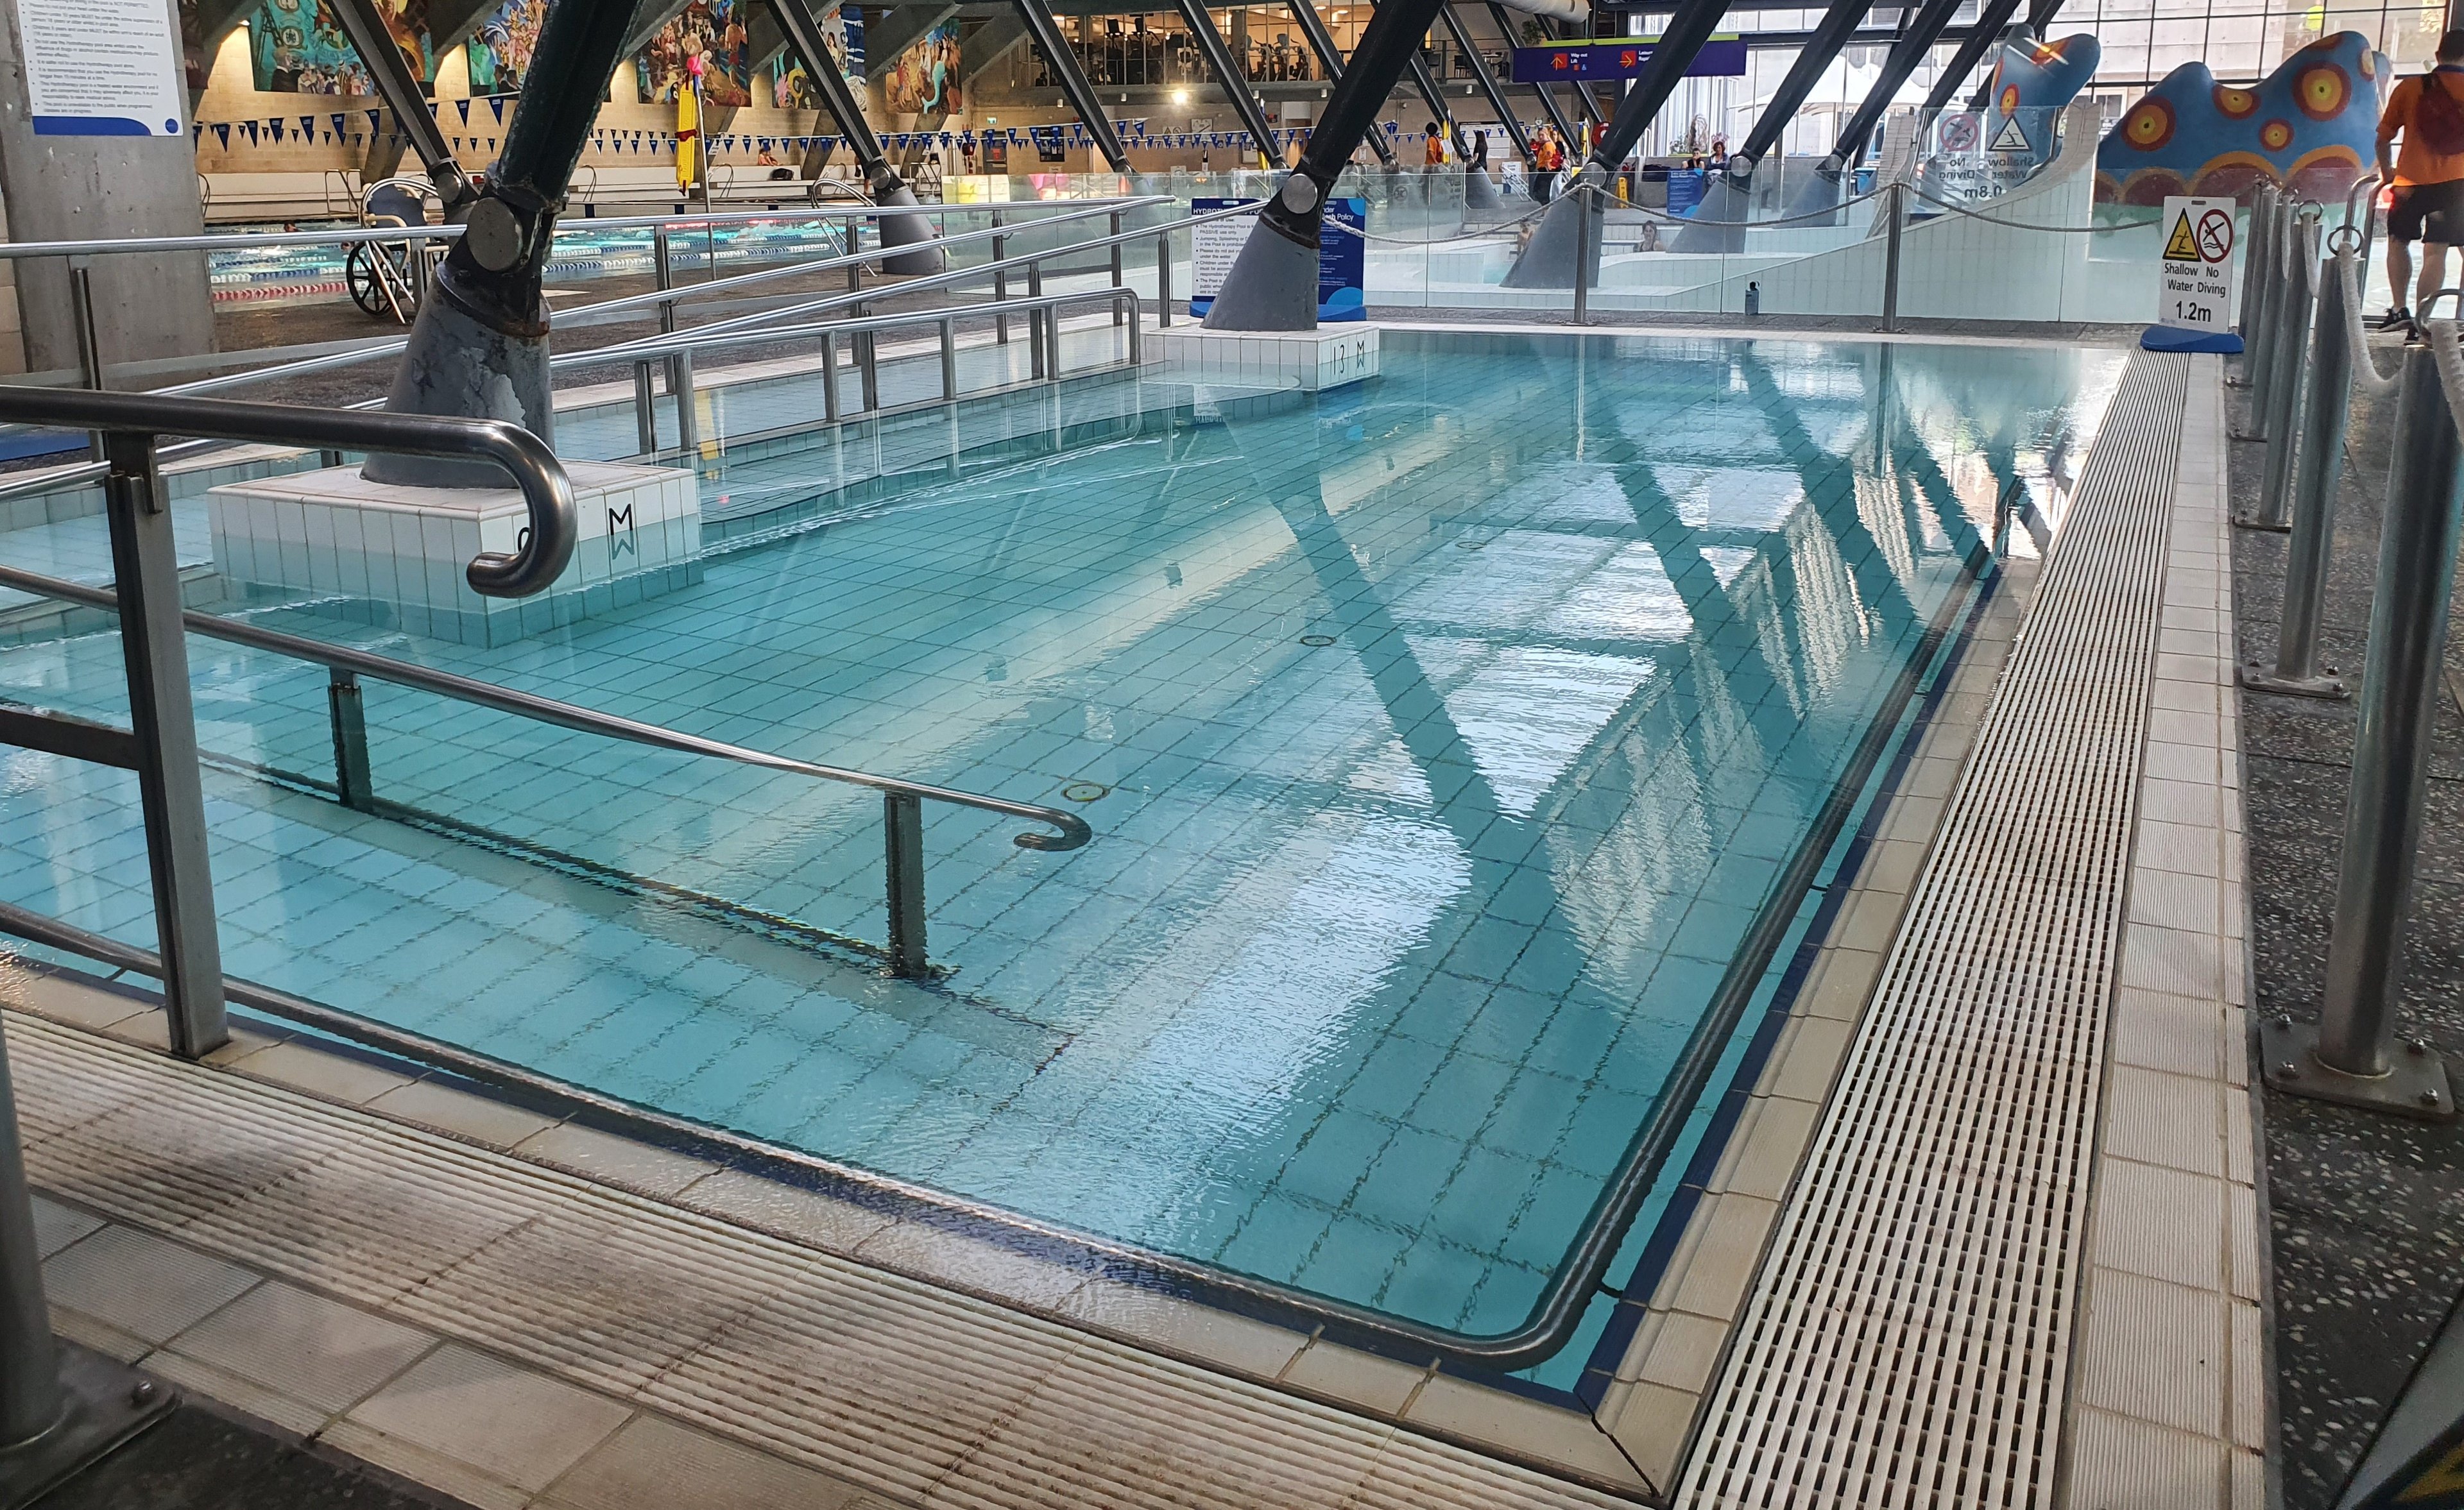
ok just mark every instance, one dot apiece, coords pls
pixel 2195 274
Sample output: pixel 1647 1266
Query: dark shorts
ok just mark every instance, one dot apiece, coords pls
pixel 2432 212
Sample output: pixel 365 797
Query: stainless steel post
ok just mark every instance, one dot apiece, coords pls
pixel 868 360
pixel 1001 281
pixel 2286 349
pixel 147 571
pixel 353 781
pixel 829 378
pixel 1137 357
pixel 2352 1056
pixel 31 1401
pixel 902 825
pixel 1036 319
pixel 1052 343
pixel 58 1411
pixel 1582 255
pixel 1114 220
pixel 1163 280
pixel 646 415
pixel 949 360
pixel 89 339
pixel 2259 367
pixel 2253 259
pixel 1891 262
pixel 2321 471
pixel 680 373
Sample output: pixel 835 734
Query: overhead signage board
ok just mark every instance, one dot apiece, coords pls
pixel 2194 265
pixel 101 67
pixel 1622 57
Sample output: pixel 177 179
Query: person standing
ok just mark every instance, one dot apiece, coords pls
pixel 2427 175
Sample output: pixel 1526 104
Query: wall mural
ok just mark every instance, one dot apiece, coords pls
pixel 715 29
pixel 924 79
pixel 298 47
pixel 2311 125
pixel 842 34
pixel 499 52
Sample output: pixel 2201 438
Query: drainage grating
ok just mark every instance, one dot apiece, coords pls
pixel 1907 1336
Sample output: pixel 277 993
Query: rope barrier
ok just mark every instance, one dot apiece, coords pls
pixel 2451 370
pixel 2366 370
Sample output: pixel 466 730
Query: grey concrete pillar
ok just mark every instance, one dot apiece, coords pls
pixel 63 188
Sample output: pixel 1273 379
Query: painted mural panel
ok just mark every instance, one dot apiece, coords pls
pixel 298 46
pixel 499 52
pixel 842 34
pixel 2312 126
pixel 924 79
pixel 712 29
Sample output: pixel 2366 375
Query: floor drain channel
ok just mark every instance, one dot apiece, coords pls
pixel 1317 640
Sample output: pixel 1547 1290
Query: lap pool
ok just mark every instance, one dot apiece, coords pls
pixel 1454 743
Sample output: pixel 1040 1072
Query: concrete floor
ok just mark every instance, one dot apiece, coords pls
pixel 2367 1210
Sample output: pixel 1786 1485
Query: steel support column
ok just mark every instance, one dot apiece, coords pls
pixel 1505 23
pixel 1486 80
pixel 1273 283
pixel 1728 198
pixel 1074 87
pixel 1549 261
pixel 880 179
pixel 1321 41
pixel 392 75
pixel 1822 190
pixel 1987 31
pixel 1227 73
pixel 479 348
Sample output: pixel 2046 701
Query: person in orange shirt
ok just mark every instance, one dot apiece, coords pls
pixel 2427 176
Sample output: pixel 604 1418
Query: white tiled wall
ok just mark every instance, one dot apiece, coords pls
pixel 331 532
pixel 1328 356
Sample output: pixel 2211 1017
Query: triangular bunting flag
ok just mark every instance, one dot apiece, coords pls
pixel 497 103
pixel 464 106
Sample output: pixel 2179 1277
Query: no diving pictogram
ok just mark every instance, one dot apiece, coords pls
pixel 1959 132
pixel 2215 236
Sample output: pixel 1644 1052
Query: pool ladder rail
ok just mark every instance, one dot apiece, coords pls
pixel 161 748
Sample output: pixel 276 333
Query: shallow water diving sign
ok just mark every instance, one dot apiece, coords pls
pixel 2194 269
pixel 101 67
pixel 1342 262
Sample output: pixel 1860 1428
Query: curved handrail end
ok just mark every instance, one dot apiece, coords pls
pixel 1074 832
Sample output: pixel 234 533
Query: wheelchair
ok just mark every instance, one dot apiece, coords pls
pixel 385 279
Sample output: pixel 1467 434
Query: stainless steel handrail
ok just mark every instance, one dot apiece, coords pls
pixel 138 244
pixel 547 492
pixel 1072 829
pixel 84 472
pixel 652 299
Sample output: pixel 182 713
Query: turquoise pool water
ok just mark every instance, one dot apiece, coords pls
pixel 1441 737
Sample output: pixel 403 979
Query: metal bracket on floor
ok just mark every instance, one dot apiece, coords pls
pixel 2258 677
pixel 2415 1084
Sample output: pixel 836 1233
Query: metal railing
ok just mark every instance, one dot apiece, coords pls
pixel 665 301
pixel 161 747
pixel 675 350
pixel 2352 1055
pixel 354 779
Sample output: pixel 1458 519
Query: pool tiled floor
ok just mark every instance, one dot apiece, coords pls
pixel 1449 733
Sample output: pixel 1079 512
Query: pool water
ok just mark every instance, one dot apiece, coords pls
pixel 1442 736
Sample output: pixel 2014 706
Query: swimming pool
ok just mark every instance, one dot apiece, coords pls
pixel 1443 737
